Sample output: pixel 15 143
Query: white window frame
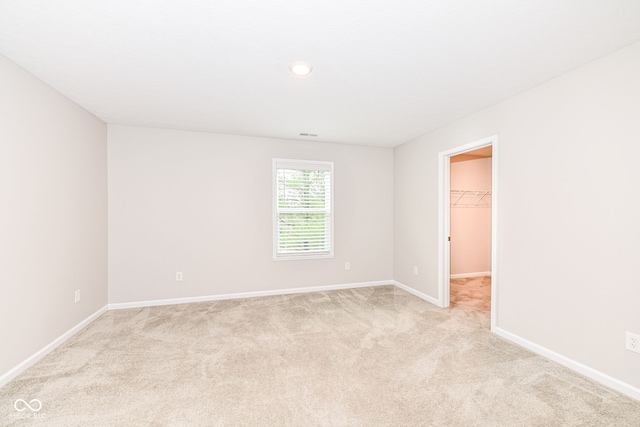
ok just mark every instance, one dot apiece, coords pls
pixel 303 165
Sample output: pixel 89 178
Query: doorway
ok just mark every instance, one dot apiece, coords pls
pixel 468 198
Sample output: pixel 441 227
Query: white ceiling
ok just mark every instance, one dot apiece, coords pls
pixel 384 72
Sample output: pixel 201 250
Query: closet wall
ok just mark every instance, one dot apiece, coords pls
pixel 470 217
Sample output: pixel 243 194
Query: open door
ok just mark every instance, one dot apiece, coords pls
pixel 444 220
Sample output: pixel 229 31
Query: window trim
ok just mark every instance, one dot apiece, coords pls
pixel 301 164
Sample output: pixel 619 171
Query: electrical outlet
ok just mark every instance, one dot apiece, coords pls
pixel 347 266
pixel 77 296
pixel 633 342
pixel 415 270
pixel 178 276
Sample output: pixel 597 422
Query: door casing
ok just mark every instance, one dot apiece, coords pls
pixel 444 221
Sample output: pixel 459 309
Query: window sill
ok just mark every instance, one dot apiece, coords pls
pixel 302 257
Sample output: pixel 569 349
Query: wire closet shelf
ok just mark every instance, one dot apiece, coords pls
pixel 470 198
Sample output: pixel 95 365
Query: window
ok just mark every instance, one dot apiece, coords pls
pixel 303 209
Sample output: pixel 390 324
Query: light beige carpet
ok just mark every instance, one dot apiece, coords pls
pixel 362 357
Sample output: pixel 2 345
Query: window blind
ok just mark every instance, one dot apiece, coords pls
pixel 303 209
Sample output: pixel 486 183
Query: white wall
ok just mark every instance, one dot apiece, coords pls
pixel 53 215
pixel 201 203
pixel 568 228
pixel 471 226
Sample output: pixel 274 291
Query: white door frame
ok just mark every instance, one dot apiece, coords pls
pixel 444 221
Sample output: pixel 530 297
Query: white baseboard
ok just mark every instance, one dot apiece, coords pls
pixel 172 301
pixel 8 376
pixel 419 294
pixel 585 370
pixel 465 275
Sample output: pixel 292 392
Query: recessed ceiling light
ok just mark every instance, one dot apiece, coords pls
pixel 300 69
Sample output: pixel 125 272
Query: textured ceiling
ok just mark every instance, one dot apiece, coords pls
pixel 384 71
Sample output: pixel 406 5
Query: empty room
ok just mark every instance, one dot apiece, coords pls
pixel 319 213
